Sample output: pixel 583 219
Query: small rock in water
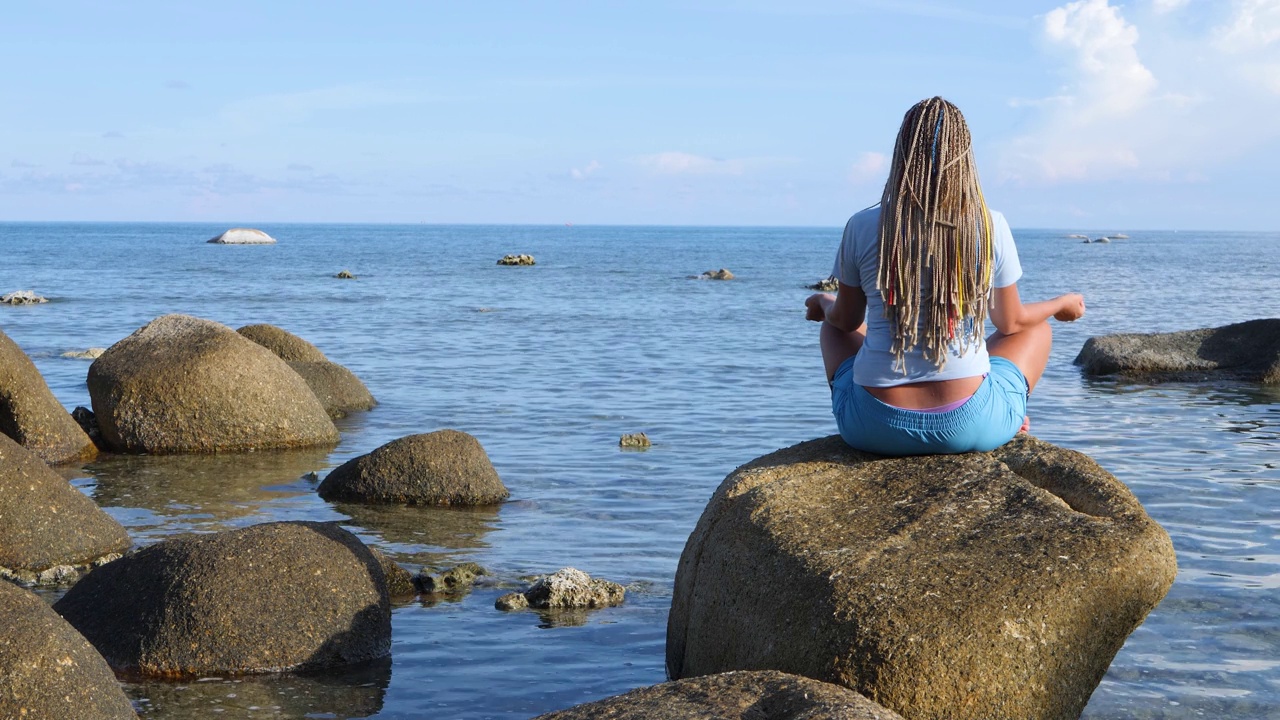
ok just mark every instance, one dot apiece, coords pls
pixel 517 260
pixel 90 354
pixel 635 440
pixel 345 275
pixel 22 297
pixel 453 581
pixel 831 284
pixel 564 589
pixel 721 274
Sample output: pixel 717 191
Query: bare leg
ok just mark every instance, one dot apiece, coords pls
pixel 838 346
pixel 1028 349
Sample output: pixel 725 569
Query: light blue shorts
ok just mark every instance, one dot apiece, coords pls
pixel 986 421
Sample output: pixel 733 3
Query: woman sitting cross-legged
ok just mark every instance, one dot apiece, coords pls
pixel 903 339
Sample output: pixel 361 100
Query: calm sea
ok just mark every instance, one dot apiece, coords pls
pixel 608 334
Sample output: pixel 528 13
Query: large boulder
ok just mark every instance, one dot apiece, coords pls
pixel 759 695
pixel 266 598
pixel 984 585
pixel 1244 351
pixel 337 388
pixel 243 236
pixel 30 414
pixel 185 385
pixel 47 669
pixel 47 527
pixel 446 467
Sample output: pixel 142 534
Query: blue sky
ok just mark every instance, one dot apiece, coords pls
pixel 1086 115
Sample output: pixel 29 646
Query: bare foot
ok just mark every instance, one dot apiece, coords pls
pixel 1026 424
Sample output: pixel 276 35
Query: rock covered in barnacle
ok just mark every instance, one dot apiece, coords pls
pixel 517 260
pixel 565 589
pixel 22 297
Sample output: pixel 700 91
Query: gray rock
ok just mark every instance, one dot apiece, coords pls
pixel 337 388
pixel 266 598
pixel 90 354
pixel 721 274
pixel 47 669
pixel 31 415
pixel 565 589
pixel 243 236
pixel 983 585
pixel 517 260
pixel 45 523
pixel 1248 351
pixel 446 467
pixel 759 695
pixel 831 284
pixel 345 275
pixel 22 297
pixel 185 385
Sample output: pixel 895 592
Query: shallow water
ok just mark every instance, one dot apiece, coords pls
pixel 548 365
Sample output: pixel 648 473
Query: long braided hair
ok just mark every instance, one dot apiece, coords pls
pixel 934 221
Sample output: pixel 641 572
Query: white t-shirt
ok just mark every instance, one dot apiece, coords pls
pixel 858 263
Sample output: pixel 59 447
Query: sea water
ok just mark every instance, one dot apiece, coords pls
pixel 611 333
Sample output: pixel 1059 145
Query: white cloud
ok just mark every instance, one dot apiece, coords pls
pixel 682 163
pixel 869 166
pixel 1084 130
pixel 1167 6
pixel 583 173
pixel 1254 25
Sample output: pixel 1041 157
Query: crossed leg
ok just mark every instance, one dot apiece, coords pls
pixel 1028 350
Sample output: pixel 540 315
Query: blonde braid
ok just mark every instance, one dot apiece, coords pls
pixel 933 215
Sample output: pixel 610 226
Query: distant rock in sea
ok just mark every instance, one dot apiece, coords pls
pixel 345 275
pixel 831 284
pixel 1078 236
pixel 1119 236
pixel 90 354
pixel 517 260
pixel 1103 239
pixel 721 274
pixel 243 236
pixel 22 297
pixel 634 440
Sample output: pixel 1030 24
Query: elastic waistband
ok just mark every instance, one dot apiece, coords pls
pixel 974 408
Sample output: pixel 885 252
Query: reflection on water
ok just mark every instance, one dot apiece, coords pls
pixel 352 692
pixel 421 535
pixel 198 492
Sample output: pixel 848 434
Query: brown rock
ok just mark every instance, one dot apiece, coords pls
pixel 47 669
pixel 760 695
pixel 721 274
pixel 270 597
pixel 185 385
pixel 337 388
pixel 455 580
pixel 400 582
pixel 1248 351
pixel 446 467
pixel 985 585
pixel 45 523
pixel 31 415
pixel 634 440
pixel 517 260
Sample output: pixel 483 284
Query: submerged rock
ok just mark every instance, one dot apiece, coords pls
pixel 345 275
pixel 48 529
pixel 446 467
pixel 831 284
pixel 336 387
pixel 266 598
pixel 243 236
pixel 565 589
pixel 456 580
pixel 31 415
pixel 517 260
pixel 22 297
pixel 47 669
pixel 400 582
pixel 178 385
pixel 721 274
pixel 974 586
pixel 1248 351
pixel 745 695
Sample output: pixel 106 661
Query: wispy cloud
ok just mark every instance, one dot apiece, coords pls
pixel 586 171
pixel 1163 7
pixel 683 163
pixel 84 160
pixel 869 167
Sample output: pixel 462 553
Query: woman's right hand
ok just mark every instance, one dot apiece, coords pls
pixel 815 306
pixel 1071 307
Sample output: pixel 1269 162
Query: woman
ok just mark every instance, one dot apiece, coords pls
pixel 919 273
